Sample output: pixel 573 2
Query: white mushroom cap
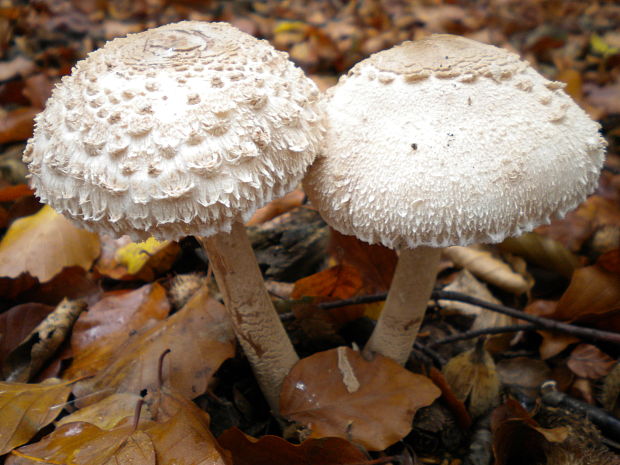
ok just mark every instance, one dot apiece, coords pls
pixel 175 131
pixel 448 141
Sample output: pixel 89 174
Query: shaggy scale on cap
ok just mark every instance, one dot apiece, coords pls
pixel 179 130
pixel 447 141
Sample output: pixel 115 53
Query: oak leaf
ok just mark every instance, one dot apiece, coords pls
pixel 338 393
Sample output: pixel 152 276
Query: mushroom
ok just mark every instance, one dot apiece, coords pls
pixel 446 141
pixel 185 129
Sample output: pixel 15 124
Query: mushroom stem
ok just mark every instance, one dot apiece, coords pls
pixel 406 303
pixel 255 320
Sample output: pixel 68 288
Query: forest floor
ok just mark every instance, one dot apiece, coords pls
pixel 95 332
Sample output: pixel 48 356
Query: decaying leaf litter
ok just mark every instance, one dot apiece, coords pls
pixel 566 272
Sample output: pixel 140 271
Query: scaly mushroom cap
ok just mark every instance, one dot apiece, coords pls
pixel 448 141
pixel 175 131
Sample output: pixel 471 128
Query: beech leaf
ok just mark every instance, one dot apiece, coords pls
pixel 43 244
pixel 587 361
pixel 201 328
pixel 273 450
pixel 338 393
pixel 26 408
pixel 109 323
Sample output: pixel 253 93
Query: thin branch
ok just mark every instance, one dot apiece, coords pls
pixel 481 332
pixel 541 322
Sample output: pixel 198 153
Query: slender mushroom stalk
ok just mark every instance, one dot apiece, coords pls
pixel 257 326
pixel 185 129
pixel 404 308
pixel 446 141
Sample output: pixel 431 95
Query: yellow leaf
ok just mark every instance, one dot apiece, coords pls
pixel 43 244
pixel 600 47
pixel 136 254
pixel 26 408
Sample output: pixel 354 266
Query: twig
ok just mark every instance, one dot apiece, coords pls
pixel 362 299
pixel 430 353
pixel 481 332
pixel 546 323
pixel 540 322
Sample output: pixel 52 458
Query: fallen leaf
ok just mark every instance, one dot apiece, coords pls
pixel 512 427
pixel 335 283
pixel 488 268
pixel 338 393
pixel 17 323
pixel 338 282
pixel 45 243
pixel 123 259
pixel 593 293
pixel 81 443
pixel 522 376
pixel 201 328
pixel 109 323
pixel 578 225
pixel 38 89
pixel 473 378
pixel 18 66
pixel 10 193
pixel 26 408
pixel 543 252
pixel 108 412
pixel 273 450
pixel 277 207
pixel 587 361
pixel 28 358
pixel 182 435
pixel 16 125
pixel 375 263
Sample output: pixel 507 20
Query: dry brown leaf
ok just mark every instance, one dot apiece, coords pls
pixel 587 361
pixel 18 66
pixel 593 293
pixel 523 376
pixel 578 225
pixel 84 444
pixel 109 412
pixel 182 435
pixel 512 427
pixel 201 328
pixel 273 450
pixel 338 393
pixel 474 379
pixel 488 268
pixel 375 263
pixel 277 207
pixel 544 252
pixel 466 283
pixel 123 259
pixel 28 358
pixel 26 408
pixel 17 322
pixel 109 323
pixel 16 125
pixel 45 243
pixel 11 193
pixel 339 282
